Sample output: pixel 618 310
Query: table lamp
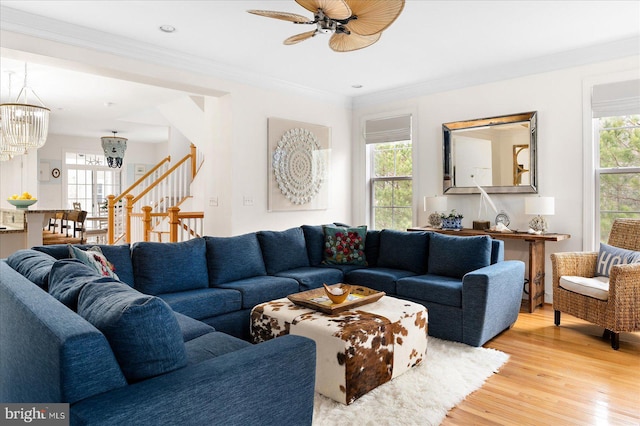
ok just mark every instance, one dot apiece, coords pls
pixel 435 205
pixel 539 206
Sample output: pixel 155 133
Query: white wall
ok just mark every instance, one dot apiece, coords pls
pixel 236 166
pixel 558 98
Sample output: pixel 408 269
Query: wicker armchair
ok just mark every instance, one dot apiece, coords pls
pixel 621 311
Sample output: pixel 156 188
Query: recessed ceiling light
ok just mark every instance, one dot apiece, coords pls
pixel 167 28
pixel 357 86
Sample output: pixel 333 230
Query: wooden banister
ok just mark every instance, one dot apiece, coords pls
pixel 162 177
pixel 141 179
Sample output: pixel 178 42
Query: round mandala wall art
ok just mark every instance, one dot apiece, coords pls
pixel 299 166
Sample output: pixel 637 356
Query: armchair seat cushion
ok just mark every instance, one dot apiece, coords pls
pixel 596 287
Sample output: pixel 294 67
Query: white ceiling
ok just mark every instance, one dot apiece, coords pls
pixel 437 44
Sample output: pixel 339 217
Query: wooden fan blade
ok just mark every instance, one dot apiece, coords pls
pixel 341 42
pixel 299 37
pixel 334 9
pixel 285 16
pixel 373 15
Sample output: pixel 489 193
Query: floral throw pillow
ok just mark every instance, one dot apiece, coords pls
pixel 344 245
pixel 94 257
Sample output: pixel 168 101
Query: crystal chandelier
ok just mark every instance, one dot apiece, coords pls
pixel 24 126
pixel 114 148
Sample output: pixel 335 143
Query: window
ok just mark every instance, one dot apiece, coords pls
pixel 616 111
pixel 390 161
pixel 618 173
pixel 89 181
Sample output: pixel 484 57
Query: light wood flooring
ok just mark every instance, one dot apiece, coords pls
pixel 566 375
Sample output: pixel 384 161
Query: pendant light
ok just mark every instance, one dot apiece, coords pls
pixel 114 148
pixel 24 125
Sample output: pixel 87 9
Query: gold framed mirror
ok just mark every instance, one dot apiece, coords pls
pixel 497 153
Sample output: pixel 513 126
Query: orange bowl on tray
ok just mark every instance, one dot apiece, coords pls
pixel 338 293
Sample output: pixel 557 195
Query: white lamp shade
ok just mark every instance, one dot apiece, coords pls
pixel 435 204
pixel 539 206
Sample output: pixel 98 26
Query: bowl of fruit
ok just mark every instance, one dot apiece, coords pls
pixel 22 201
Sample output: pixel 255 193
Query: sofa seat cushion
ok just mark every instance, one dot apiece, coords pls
pixel 118 255
pixel 431 288
pixel 204 303
pixel 141 329
pixel 343 268
pixel 68 277
pixel 262 289
pixel 283 250
pixel 454 256
pixel 312 277
pixel 381 279
pixel 233 258
pixel 404 250
pixel 192 328
pixel 596 287
pixel 33 265
pixel 169 267
pixel 212 345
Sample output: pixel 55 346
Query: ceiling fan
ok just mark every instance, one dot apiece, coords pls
pixel 355 24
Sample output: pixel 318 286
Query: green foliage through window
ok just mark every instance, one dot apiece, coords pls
pixel 619 170
pixel 391 185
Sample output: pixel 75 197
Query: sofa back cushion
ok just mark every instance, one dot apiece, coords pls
pixel 372 247
pixel 141 329
pixel 283 250
pixel 404 250
pixel 118 255
pixel 170 267
pixel 314 239
pixel 67 278
pixel 233 258
pixel 33 265
pixel 453 256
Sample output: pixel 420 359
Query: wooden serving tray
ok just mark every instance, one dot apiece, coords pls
pixel 317 299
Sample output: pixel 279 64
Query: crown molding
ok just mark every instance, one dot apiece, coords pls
pixel 597 53
pixel 17 21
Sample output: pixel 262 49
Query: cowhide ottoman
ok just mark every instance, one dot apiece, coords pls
pixel 356 350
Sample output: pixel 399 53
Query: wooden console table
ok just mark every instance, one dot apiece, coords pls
pixel 536 255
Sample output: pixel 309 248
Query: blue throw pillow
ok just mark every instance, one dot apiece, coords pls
pixel 141 329
pixel 609 256
pixel 344 245
pixel 453 256
pixel 33 265
pixel 67 278
pixel 170 267
pixel 283 250
pixel 233 258
pixel 403 250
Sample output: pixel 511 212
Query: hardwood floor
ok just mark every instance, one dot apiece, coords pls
pixel 566 375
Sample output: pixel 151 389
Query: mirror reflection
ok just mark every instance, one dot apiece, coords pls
pixel 497 153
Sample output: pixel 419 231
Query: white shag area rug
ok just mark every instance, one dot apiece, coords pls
pixel 421 396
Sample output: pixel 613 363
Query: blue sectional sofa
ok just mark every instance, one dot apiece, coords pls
pixel 59 319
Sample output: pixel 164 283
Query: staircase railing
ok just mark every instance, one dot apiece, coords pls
pixel 163 187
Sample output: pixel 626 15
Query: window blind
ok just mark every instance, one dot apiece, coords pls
pixel 615 99
pixel 393 129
